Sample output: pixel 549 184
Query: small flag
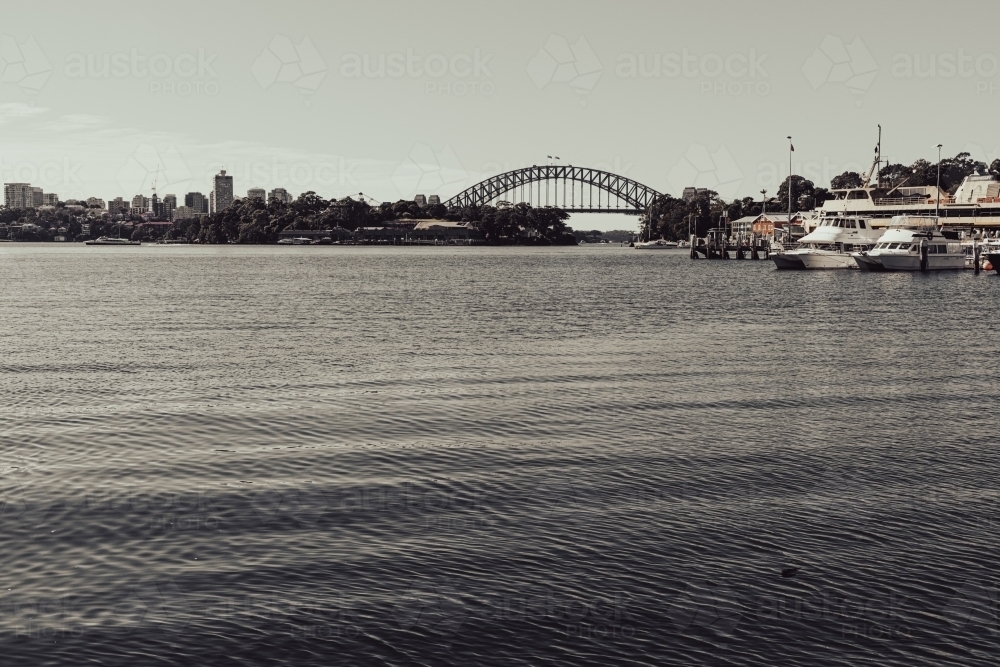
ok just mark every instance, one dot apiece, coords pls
pixel 793 147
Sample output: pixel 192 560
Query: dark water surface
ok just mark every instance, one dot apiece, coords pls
pixel 466 456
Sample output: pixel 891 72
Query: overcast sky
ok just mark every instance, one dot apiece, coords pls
pixel 396 98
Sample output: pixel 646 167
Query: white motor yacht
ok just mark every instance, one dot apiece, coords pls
pixel 658 244
pixel 110 240
pixel 830 245
pixel 914 243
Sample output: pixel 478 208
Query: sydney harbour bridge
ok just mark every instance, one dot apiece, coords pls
pixel 573 189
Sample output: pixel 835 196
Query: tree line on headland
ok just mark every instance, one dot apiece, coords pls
pixel 254 221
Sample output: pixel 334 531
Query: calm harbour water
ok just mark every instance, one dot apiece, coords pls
pixel 492 456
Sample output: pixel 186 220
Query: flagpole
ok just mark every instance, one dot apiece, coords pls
pixel 791 148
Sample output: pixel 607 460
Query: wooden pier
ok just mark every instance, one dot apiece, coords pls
pixel 718 244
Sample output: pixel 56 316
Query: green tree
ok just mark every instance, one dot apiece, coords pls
pixel 848 179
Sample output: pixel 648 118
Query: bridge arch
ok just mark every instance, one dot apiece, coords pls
pixel 561 186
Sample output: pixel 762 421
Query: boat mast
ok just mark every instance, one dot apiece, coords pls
pixel 876 163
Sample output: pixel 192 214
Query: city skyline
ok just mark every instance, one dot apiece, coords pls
pixel 26 196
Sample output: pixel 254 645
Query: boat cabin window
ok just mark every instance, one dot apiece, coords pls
pixel 861 224
pixel 851 224
pixel 857 194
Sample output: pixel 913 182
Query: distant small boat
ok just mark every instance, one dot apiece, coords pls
pixel 108 240
pixel 658 244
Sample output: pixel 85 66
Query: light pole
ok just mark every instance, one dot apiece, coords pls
pixel 937 206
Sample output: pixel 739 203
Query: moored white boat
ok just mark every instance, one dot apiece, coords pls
pixel 658 244
pixel 830 245
pixel 914 243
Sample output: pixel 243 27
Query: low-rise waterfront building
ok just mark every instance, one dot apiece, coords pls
pixel 444 230
pixel 765 223
pixel 335 234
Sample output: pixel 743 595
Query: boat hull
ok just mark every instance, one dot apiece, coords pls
pixel 994 258
pixel 813 261
pixel 827 261
pixel 785 262
pixel 908 262
pixel 869 263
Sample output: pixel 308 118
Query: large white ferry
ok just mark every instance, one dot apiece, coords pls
pixel 975 204
pixel 830 245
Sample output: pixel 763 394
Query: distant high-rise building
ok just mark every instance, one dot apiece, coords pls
pixel 50 199
pixel 95 202
pixel 140 204
pixel 18 195
pixel 223 190
pixel 211 201
pixel 281 194
pixel 259 193
pixel 168 205
pixel 420 201
pixel 689 193
pixel 118 205
pixel 155 205
pixel 185 213
pixel 37 197
pixel 196 201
